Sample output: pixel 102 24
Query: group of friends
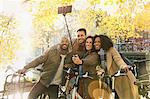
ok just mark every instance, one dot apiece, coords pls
pixel 88 52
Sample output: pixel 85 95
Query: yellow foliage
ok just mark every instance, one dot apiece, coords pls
pixel 142 20
pixel 95 21
pixel 44 19
pixel 100 22
pixel 8 39
pixel 111 2
pixel 90 19
pixel 93 2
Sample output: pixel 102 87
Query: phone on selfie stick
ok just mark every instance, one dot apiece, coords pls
pixel 64 10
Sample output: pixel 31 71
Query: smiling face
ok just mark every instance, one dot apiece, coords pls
pixel 97 43
pixel 81 37
pixel 64 43
pixel 88 44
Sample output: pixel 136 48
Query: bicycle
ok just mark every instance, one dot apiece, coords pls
pixel 143 81
pixel 73 94
pixel 62 89
pixel 15 85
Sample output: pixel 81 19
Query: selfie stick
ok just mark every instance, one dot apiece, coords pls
pixel 68 31
pixel 64 10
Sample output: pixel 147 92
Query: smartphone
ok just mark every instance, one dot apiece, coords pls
pixel 65 9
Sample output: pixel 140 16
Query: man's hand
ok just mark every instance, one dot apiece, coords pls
pixel 21 71
pixel 76 60
pixel 68 66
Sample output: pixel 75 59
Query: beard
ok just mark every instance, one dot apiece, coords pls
pixel 81 41
pixel 96 49
pixel 62 47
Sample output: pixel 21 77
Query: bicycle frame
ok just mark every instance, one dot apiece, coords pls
pixel 14 89
pixel 117 74
pixel 62 89
pixel 74 92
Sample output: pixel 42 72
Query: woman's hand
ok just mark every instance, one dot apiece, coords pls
pixel 126 69
pixel 76 59
pixel 100 72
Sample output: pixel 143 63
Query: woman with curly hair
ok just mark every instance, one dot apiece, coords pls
pixel 113 62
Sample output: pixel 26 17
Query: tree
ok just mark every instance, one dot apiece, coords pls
pixel 8 39
pixel 120 23
pixel 142 20
pixel 96 20
pixel 45 16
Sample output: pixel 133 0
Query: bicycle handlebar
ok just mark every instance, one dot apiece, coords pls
pixel 76 71
pixel 86 75
pixel 141 82
pixel 140 61
pixel 121 72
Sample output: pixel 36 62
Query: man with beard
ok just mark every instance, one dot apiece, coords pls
pixel 79 43
pixel 53 61
pixel 78 47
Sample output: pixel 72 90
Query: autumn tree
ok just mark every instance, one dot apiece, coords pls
pixel 94 18
pixel 8 39
pixel 45 20
pixel 120 23
pixel 142 20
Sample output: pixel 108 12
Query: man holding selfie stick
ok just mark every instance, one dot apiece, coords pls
pixel 77 45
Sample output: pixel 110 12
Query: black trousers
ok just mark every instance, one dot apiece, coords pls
pixel 38 89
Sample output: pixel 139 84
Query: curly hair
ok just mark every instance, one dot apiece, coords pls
pixel 106 42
